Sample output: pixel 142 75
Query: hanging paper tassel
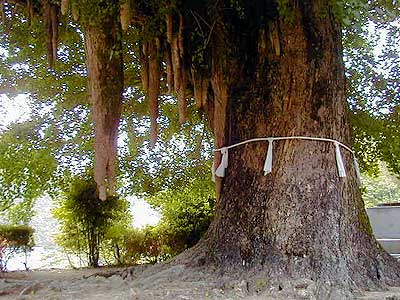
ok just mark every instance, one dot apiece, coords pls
pixel 339 161
pixel 357 168
pixel 268 160
pixel 220 172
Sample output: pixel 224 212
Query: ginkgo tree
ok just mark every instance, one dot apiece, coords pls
pixel 256 69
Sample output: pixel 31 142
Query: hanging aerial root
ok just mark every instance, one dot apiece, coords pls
pixel 176 63
pixel 200 86
pixel 170 30
pixel 75 12
pixel 126 15
pixel 154 88
pixel 31 13
pixel 179 79
pixel 176 71
pixel 105 153
pixel 64 6
pixel 169 70
pixel 204 93
pixel 2 12
pixel 144 66
pixel 49 31
pixel 182 103
pixel 168 54
pixel 106 78
pixel 50 14
pixel 54 11
pixel 180 36
pixel 150 72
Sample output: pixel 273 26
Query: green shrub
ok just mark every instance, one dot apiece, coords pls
pixel 85 220
pixel 147 245
pixel 186 211
pixel 14 239
pixel 115 245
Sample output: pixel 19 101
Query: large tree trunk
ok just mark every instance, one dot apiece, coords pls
pixel 105 67
pixel 302 220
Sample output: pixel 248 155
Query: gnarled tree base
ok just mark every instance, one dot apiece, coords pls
pixel 326 277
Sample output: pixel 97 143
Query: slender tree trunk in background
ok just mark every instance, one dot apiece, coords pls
pixel 93 241
pixel 105 68
pixel 302 220
pixel 117 254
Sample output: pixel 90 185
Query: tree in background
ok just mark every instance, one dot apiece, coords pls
pixel 384 188
pixel 372 61
pixel 27 169
pixel 85 219
pixel 14 240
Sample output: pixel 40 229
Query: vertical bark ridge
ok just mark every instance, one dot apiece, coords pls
pixel 220 91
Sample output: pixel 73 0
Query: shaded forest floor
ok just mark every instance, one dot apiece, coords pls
pixel 148 283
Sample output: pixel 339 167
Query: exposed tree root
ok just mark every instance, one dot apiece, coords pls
pixel 129 273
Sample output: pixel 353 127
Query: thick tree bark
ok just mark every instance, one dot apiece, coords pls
pixel 105 68
pixel 302 220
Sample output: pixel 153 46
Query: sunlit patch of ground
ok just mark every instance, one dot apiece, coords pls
pixel 141 283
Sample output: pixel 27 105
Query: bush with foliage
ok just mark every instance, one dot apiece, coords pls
pixel 186 214
pixel 14 239
pixel 85 219
pixel 186 211
pixel 146 245
pixel 94 228
pixel 114 245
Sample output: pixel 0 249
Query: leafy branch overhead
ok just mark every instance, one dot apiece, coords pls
pixel 172 48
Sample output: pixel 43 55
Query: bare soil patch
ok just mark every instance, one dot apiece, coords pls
pixel 153 283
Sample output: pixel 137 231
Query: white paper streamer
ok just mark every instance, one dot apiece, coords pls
pixel 220 172
pixel 339 161
pixel 268 159
pixel 357 168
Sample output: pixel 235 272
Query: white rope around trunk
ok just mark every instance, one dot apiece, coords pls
pixel 220 171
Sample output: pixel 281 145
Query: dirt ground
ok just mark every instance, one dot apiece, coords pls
pixel 143 283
